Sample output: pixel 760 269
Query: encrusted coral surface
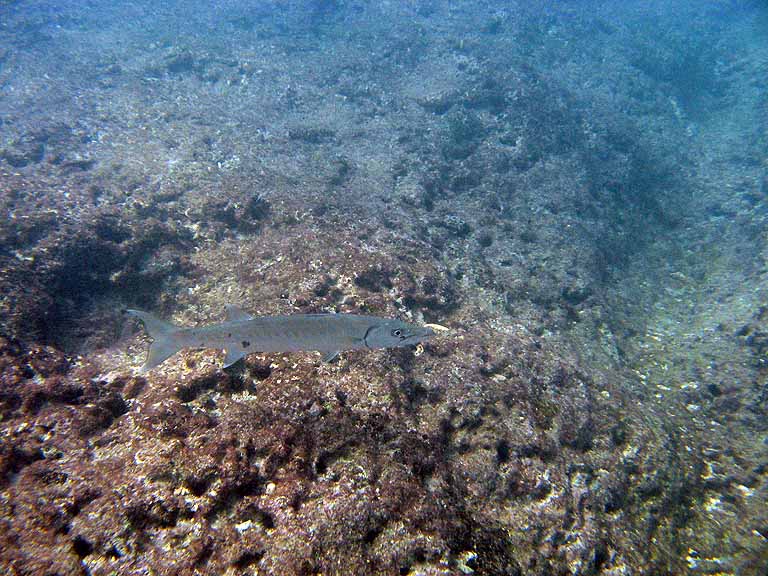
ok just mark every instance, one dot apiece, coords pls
pixel 580 197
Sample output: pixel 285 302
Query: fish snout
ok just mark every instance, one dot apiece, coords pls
pixel 420 334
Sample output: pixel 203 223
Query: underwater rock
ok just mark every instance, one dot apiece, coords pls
pixel 375 279
pixel 311 134
pixel 181 62
pixel 456 225
pixel 22 152
pixel 439 103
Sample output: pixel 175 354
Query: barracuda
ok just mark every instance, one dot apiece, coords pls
pixel 241 334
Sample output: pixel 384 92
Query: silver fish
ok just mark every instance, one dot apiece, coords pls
pixel 242 334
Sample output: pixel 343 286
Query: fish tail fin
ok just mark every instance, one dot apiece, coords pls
pixel 165 338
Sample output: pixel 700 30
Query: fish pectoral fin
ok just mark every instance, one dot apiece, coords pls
pixel 329 356
pixel 233 313
pixel 231 356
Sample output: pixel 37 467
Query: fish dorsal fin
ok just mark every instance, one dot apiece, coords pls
pixel 232 313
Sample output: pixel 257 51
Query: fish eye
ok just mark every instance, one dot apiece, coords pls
pixel 397 333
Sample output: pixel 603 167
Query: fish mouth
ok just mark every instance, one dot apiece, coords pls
pixel 419 335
